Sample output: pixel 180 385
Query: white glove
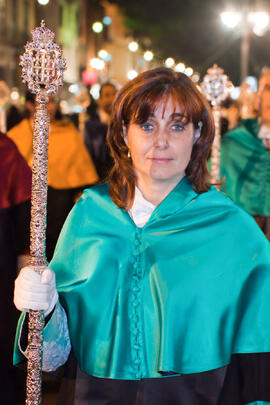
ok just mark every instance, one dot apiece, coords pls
pixel 35 291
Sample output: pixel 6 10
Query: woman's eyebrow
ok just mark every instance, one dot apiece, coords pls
pixel 175 116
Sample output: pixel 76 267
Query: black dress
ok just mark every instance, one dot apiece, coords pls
pixel 244 381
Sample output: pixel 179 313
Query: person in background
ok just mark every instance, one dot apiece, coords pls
pixel 247 101
pixel 96 130
pixel 89 107
pixel 70 168
pixel 15 194
pixel 245 160
pixel 230 115
pixel 163 283
pixel 14 116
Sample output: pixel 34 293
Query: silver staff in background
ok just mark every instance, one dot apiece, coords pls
pixel 216 87
pixel 42 70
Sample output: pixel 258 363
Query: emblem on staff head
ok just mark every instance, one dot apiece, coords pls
pixel 42 63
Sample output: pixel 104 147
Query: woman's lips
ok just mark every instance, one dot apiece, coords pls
pixel 160 160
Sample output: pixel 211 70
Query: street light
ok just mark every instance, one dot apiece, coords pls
pixel 169 62
pixel 180 67
pixel 148 56
pixel 103 54
pixel 260 21
pixel 131 74
pixel 189 71
pixel 97 27
pixel 256 21
pixel 14 94
pixel 195 77
pixel 95 91
pixel 230 18
pixel 73 88
pixel 107 20
pixel 97 63
pixel 133 46
pixel 43 2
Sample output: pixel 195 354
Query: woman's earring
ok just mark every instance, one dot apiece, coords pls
pixel 197 132
pixel 129 156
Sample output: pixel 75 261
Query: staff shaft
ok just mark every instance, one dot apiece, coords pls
pixel 37 247
pixel 215 151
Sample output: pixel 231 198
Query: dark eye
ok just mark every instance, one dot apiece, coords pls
pixel 147 127
pixel 178 127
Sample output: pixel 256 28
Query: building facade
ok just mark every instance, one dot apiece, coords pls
pixel 17 19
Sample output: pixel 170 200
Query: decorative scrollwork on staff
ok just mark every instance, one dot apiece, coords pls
pixel 42 71
pixel 216 87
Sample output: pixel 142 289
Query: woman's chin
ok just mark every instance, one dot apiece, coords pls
pixel 166 176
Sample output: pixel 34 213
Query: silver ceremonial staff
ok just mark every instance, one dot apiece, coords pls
pixel 42 71
pixel 216 87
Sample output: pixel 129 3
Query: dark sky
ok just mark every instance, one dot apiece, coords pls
pixel 191 31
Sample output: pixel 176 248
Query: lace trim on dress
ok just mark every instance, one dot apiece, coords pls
pixel 56 352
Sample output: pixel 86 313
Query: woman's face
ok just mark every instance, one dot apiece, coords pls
pixel 161 148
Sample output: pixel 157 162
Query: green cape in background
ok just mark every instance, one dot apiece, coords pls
pixel 245 168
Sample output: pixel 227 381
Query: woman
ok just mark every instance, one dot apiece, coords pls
pixel 163 282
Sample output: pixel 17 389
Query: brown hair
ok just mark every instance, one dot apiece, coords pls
pixel 135 102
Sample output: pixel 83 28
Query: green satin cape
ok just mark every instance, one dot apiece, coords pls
pixel 245 167
pixel 259 403
pixel 180 294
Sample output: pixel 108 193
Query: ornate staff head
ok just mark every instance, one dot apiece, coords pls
pixel 216 85
pixel 42 63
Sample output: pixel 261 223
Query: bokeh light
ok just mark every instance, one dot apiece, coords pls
pixel 97 63
pixel 102 54
pixel 107 20
pixel 180 67
pixel 259 19
pixel 95 91
pixel 195 77
pixel 148 56
pixel 230 18
pixel 14 94
pixel 169 62
pixel 189 71
pixel 73 88
pixel 132 74
pixel 97 27
pixel 133 46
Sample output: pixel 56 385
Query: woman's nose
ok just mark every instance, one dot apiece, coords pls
pixel 161 139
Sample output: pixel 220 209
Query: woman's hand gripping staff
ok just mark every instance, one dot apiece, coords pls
pixel 34 291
